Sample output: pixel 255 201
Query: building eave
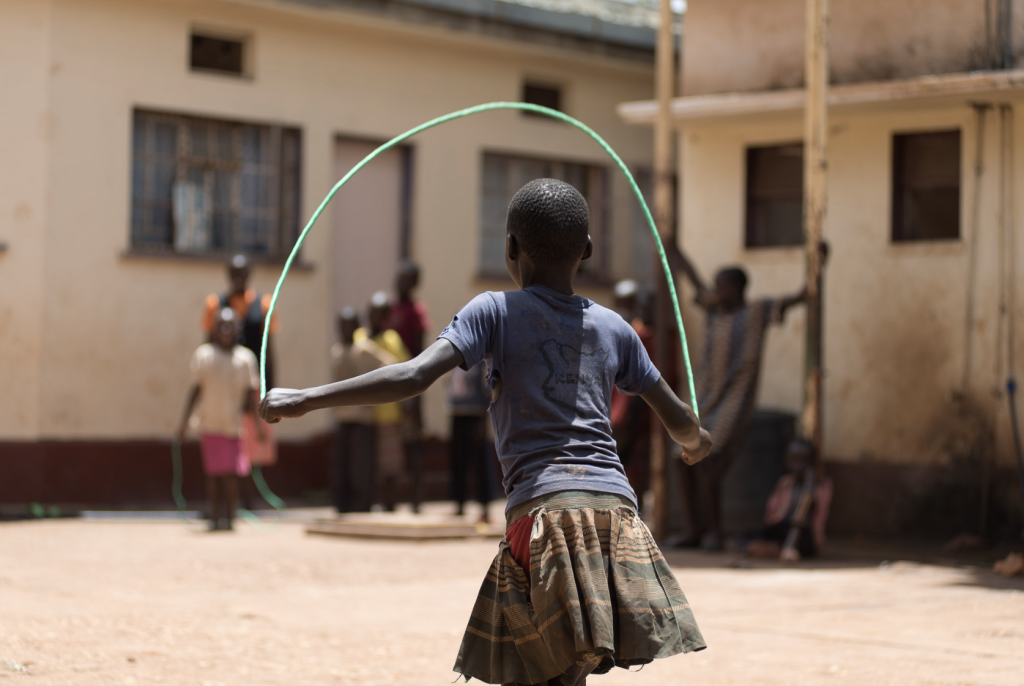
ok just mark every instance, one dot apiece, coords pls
pixel 505 20
pixel 949 89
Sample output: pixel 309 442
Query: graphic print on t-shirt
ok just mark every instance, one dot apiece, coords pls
pixel 568 369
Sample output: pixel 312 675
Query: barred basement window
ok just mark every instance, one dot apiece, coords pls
pixel 505 174
pixel 211 187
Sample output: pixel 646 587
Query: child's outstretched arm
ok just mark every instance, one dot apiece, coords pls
pixel 800 298
pixel 680 420
pixel 389 384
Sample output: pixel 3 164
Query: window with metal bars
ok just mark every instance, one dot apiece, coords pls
pixel 503 175
pixel 212 187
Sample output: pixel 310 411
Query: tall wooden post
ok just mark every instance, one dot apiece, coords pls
pixel 815 201
pixel 664 90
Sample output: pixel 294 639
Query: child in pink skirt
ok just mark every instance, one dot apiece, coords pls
pixel 224 383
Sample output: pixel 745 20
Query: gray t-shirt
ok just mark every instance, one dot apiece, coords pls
pixel 552 361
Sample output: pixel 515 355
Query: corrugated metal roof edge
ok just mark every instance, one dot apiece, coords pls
pixel 576 25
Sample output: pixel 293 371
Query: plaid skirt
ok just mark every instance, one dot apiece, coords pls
pixel 597 584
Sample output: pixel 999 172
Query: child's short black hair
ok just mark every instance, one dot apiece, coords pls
pixel 737 276
pixel 551 221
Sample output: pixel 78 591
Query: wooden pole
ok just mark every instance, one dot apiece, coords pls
pixel 815 201
pixel 664 90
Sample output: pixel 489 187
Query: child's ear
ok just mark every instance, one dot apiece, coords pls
pixel 511 247
pixel 588 252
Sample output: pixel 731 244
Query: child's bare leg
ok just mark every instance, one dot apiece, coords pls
pixel 230 485
pixel 688 488
pixel 713 498
pixel 389 493
pixel 213 500
pixel 415 460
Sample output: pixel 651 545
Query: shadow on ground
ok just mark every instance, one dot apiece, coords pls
pixel 854 554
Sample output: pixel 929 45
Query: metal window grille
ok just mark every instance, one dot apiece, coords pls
pixel 205 186
pixel 503 175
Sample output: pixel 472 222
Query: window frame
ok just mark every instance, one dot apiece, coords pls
pixel 749 200
pixel 596 270
pixel 279 245
pixel 559 88
pixel 899 234
pixel 246 41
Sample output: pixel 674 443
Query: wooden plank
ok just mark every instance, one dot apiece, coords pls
pixel 815 204
pixel 664 90
pixel 398 527
pixel 697 107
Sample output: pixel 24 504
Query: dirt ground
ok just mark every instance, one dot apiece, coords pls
pixel 143 603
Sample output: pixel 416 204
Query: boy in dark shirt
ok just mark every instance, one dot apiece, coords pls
pixel 578 585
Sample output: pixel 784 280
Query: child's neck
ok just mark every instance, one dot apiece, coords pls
pixel 558 279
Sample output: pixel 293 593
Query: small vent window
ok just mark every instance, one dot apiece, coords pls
pixel 217 54
pixel 543 95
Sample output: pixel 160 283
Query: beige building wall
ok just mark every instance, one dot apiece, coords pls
pixel 25 133
pixel 97 341
pixel 896 332
pixel 740 45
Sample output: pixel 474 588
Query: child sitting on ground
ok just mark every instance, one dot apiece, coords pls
pixel 224 383
pixel 796 512
pixel 578 585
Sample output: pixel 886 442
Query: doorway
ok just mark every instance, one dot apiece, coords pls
pixel 371 222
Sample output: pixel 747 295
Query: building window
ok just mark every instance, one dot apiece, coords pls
pixel 503 175
pixel 543 95
pixel 206 186
pixel 217 54
pixel 926 186
pixel 775 196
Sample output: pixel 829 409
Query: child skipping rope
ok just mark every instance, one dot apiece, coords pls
pixel 579 584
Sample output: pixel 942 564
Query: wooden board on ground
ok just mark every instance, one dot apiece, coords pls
pixel 404 526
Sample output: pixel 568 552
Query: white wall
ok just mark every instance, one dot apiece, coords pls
pixel 738 45
pixel 895 315
pixel 103 339
pixel 26 127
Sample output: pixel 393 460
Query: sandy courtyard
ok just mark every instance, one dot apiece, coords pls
pixel 143 603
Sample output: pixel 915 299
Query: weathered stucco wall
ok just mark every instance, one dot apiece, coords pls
pixel 97 343
pixel 740 45
pixel 25 133
pixel 896 314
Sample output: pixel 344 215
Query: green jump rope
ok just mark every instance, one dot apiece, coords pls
pixel 555 114
pixel 465 113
